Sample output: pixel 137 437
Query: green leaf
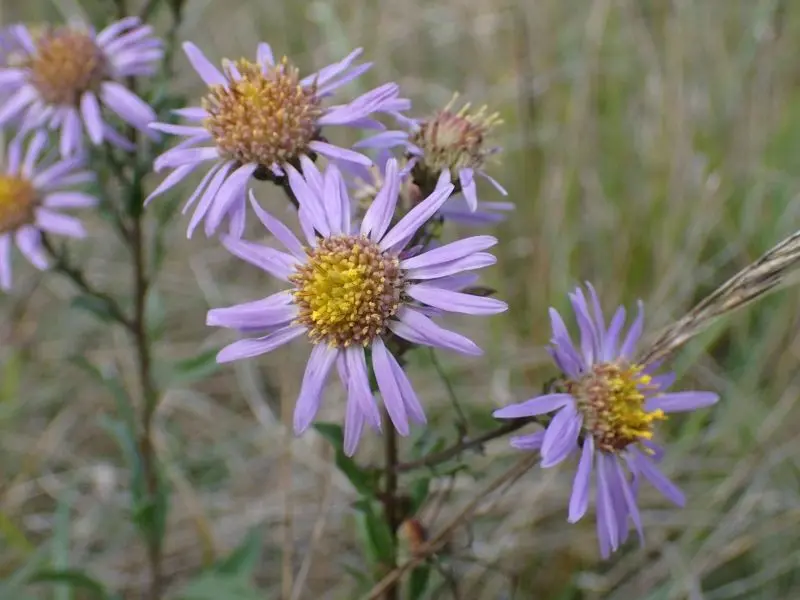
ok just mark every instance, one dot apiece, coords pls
pixel 209 586
pixel 419 493
pixel 94 306
pixel 375 534
pixel 244 558
pixel 72 577
pixel 195 367
pixel 60 546
pixel 111 381
pixel 418 582
pixel 363 480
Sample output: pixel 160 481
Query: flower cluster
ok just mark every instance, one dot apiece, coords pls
pixel 370 277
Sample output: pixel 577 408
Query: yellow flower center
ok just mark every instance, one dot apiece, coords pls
pixel 347 290
pixel 67 63
pixel 17 202
pixel 265 116
pixel 611 398
pixel 455 140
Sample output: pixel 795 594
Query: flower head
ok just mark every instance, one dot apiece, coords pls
pixel 66 74
pixel 350 287
pixel 610 404
pixel 31 194
pixel 258 118
pixel 455 141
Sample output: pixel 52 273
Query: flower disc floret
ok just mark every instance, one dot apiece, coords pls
pixel 18 200
pixel 611 399
pixel 347 291
pixel 67 63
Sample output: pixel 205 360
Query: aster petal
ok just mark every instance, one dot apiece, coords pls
pixel 276 263
pixel 641 464
pixel 355 72
pixel 630 500
pixel 611 338
pixel 11 77
pixel 252 317
pixel 598 320
pixel 539 405
pixel 191 113
pixel 15 103
pixel 29 242
pixel 35 148
pixel 70 200
pixel 208 196
pixel 494 183
pixel 571 360
pixel 229 195
pixel 114 29
pixel 308 201
pixel 354 418
pixel 323 76
pixel 236 220
pixel 466 178
pixel 337 153
pixel 456 302
pixel 127 105
pixel 171 181
pixel 264 55
pixel 258 346
pixel 114 138
pixel 334 202
pixel 634 333
pixel 529 442
pixel 319 365
pixel 561 435
pixel 208 72
pixel 359 384
pixel 606 515
pixel 53 175
pixel 183 156
pixel 416 218
pixel 281 232
pixel 14 155
pixel 5 262
pixel 450 252
pixel 312 175
pixel 456 282
pixel 588 340
pixel 415 324
pixel 53 222
pixel 479 260
pixel 90 111
pixel 579 499
pixel 663 381
pixel 387 384
pixel 681 401
pixel 201 186
pixel 186 130
pixel 71 132
pixel 410 401
pixel 379 214
pixel 384 139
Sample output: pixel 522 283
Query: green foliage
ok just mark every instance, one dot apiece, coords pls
pixel 363 479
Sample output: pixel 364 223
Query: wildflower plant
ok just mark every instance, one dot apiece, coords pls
pixel 359 267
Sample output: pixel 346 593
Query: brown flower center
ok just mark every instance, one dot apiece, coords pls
pixel 67 64
pixel 265 116
pixel 18 200
pixel 347 290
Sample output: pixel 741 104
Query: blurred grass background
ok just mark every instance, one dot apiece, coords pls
pixel 651 146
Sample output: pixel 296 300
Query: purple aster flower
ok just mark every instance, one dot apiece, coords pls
pixel 610 403
pixel 366 181
pixel 351 287
pixel 69 73
pixel 258 118
pixel 32 192
pixel 457 142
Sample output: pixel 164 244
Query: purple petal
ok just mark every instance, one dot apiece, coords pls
pixel 455 301
pixel 319 364
pixel 531 441
pixel 5 262
pixel 422 328
pixel 35 148
pixel 659 481
pixel 208 196
pixel 16 103
pixel 467 180
pixel 380 212
pixel 416 218
pixel 611 339
pixel 171 181
pixel 276 263
pixel 331 71
pixel 410 401
pixel 587 330
pixel 494 183
pixel 565 347
pixel 232 193
pixel 579 499
pixel 208 72
pixel 535 406
pixel 479 260
pixel 309 201
pixel 258 346
pixel 630 500
pixel 70 132
pixel 353 419
pixel 69 200
pixel 90 110
pixel 663 381
pixel 384 139
pixel 29 242
pixel 184 130
pixel 561 436
pixel 359 385
pixel 606 516
pixel 262 314
pixel 113 30
pixel 634 333
pixel 387 384
pixel 336 153
pixel 337 206
pixel 264 54
pixel 681 401
pixel 281 232
pixel 450 252
pixel 11 77
pixel 183 156
pixel 127 105
pixel 456 282
pixel 53 222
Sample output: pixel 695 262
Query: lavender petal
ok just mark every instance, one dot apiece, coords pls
pixel 387 384
pixel 539 405
pixel 579 499
pixel 681 401
pixel 319 364
pixel 416 218
pixel 359 385
pixel 258 346
pixel 529 442
pixel 208 72
pixel 455 301
pixel 634 333
pixel 90 111
pixel 276 263
pixel 422 328
pixel 450 252
pixel 53 222
pixel 281 232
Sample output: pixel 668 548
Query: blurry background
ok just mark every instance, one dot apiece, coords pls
pixel 651 146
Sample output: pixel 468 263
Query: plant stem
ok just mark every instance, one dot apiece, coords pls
pixel 389 499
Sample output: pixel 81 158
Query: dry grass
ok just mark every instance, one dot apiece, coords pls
pixel 651 147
